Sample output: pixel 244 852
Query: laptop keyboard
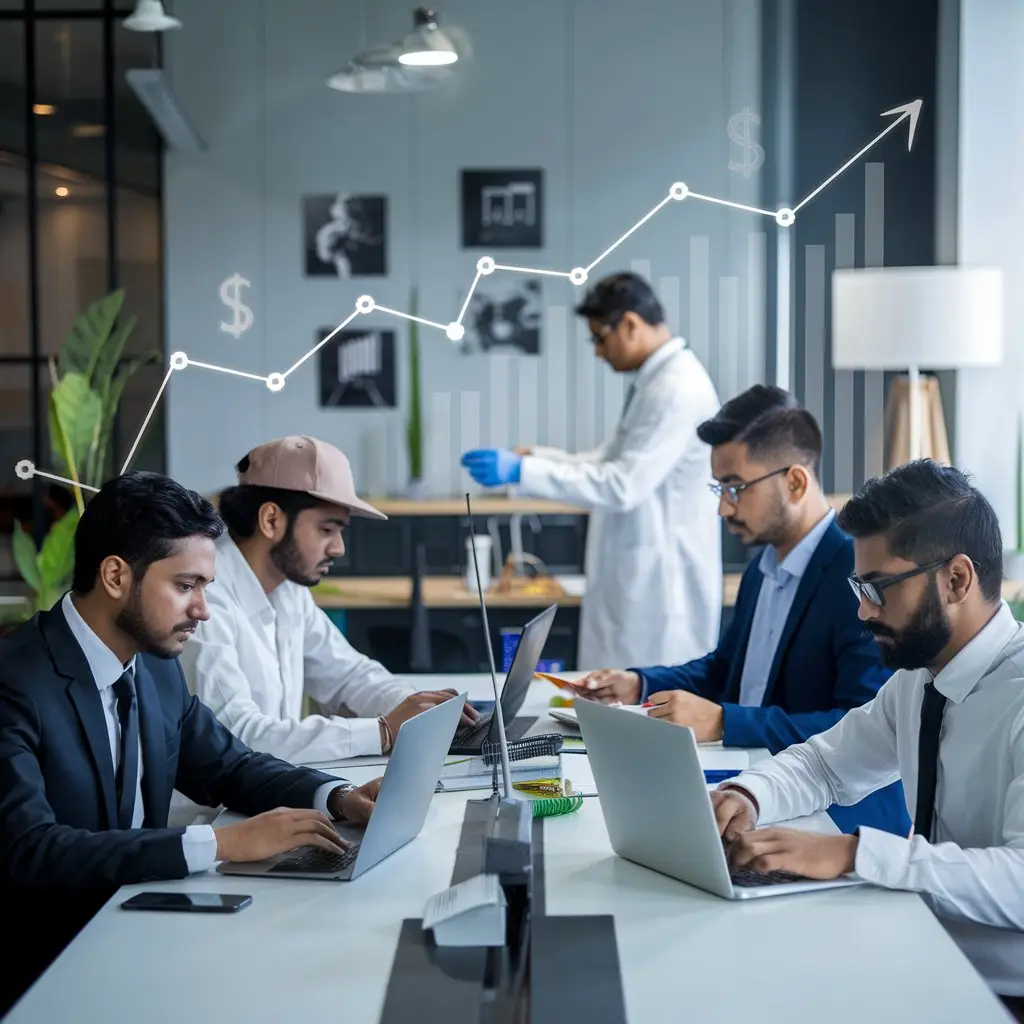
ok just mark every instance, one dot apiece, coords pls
pixel 312 858
pixel 748 879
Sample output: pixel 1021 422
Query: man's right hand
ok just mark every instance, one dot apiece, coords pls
pixel 416 703
pixel 734 812
pixel 611 686
pixel 277 831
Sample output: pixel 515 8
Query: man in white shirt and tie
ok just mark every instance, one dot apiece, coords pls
pixel 267 644
pixel 950 722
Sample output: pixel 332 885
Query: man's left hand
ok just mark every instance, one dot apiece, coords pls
pixel 808 854
pixel 355 806
pixel 681 707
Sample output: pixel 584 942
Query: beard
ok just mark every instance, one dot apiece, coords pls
pixel 133 622
pixel 923 638
pixel 287 559
pixel 774 532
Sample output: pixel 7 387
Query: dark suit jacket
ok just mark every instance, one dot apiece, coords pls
pixel 826 663
pixel 61 852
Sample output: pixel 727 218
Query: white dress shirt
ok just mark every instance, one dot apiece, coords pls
pixel 199 844
pixel 774 603
pixel 258 655
pixel 972 874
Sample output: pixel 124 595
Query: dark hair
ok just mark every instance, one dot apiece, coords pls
pixel 139 517
pixel 618 294
pixel 770 422
pixel 240 505
pixel 929 512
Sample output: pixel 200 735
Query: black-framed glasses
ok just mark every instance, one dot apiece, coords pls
pixel 597 338
pixel 871 590
pixel 733 491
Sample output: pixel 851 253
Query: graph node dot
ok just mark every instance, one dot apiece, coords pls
pixel 485 265
pixel 785 217
pixel 364 304
pixel 275 381
pixel 577 275
pixel 455 332
pixel 25 469
pixel 679 190
pixel 178 360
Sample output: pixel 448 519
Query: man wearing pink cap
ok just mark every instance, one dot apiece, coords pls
pixel 267 644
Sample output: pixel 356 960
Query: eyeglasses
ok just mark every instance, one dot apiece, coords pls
pixel 733 491
pixel 598 337
pixel 871 590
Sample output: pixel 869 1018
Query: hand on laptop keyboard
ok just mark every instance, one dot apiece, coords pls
pixel 793 851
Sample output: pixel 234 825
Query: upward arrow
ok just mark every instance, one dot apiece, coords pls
pixel 911 110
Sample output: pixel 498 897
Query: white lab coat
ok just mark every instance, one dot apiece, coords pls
pixel 654 542
pixel 256 657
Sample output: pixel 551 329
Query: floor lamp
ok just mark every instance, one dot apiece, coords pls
pixel 906 318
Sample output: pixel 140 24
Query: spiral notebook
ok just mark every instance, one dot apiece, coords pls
pixel 463 773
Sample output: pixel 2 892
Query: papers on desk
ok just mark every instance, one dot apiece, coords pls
pixel 471 913
pixel 713 756
pixel 474 773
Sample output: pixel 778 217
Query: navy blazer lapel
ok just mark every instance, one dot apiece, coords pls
pixel 71 663
pixel 830 543
pixel 735 680
pixel 155 798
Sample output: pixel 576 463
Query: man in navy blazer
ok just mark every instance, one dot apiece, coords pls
pixel 796 656
pixel 97 727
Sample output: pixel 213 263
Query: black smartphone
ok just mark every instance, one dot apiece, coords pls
pixel 190 902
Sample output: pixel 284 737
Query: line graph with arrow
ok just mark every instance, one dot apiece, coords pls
pixel 784 217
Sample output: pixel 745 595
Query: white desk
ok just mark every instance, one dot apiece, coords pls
pixel 306 951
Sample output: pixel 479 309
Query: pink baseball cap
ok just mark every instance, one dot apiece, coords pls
pixel 300 463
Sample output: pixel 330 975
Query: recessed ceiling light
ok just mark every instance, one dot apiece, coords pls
pixel 44 109
pixel 88 131
pixel 62 191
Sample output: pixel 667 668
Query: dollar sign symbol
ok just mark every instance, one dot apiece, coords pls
pixel 740 126
pixel 230 295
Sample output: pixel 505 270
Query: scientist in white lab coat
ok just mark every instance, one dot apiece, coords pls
pixel 654 542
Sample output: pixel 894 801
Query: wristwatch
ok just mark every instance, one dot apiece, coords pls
pixel 343 789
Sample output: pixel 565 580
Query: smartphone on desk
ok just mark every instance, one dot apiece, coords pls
pixel 189 902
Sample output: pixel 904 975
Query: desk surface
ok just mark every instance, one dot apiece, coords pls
pixel 308 950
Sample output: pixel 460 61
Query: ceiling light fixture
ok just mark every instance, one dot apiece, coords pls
pixel 149 16
pixel 43 109
pixel 88 131
pixel 61 191
pixel 427 46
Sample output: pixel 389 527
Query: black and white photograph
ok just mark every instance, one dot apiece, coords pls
pixel 504 315
pixel 357 369
pixel 345 235
pixel 502 209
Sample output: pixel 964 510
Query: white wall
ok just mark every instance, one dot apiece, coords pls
pixel 991 232
pixel 614 101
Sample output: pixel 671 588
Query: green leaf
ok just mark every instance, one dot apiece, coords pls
pixel 111 403
pixel 88 334
pixel 78 410
pixel 25 557
pixel 108 355
pixel 57 557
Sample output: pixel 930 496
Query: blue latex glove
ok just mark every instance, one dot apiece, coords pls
pixel 492 467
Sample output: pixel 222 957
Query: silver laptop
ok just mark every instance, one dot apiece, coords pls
pixel 657 807
pixel 401 809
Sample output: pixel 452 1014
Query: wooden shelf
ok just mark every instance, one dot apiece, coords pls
pixel 367 592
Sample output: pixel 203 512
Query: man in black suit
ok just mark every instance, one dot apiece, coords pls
pixel 97 727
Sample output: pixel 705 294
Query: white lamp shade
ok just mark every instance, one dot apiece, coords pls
pixel 938 318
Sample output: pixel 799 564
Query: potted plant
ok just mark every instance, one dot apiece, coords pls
pixel 87 381
pixel 414 425
pixel 1013 558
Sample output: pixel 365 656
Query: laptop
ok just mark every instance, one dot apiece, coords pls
pixel 470 739
pixel 657 808
pixel 401 809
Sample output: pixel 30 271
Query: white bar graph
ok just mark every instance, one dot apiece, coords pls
pixel 814 331
pixel 728 337
pixel 842 423
pixel 642 268
pixel 874 380
pixel 669 294
pixel 586 388
pixel 699 335
pixel 439 456
pixel 757 310
pixel 469 436
pixel 557 376
pixel 500 429
pixel 528 428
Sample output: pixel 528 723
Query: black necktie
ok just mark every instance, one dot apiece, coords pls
pixel 127 774
pixel 932 707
